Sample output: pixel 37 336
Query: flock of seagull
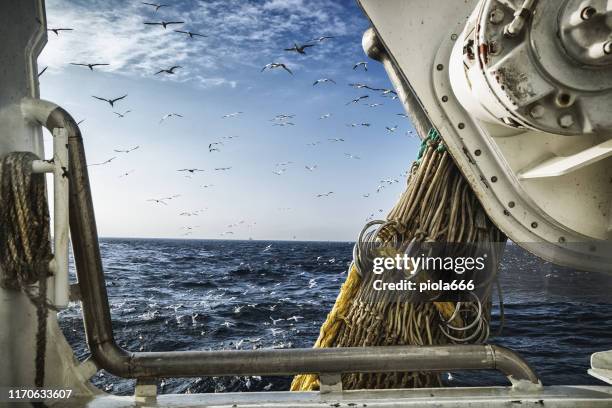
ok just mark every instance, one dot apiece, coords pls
pixel 279 120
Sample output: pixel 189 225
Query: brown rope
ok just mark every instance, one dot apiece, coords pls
pixel 25 248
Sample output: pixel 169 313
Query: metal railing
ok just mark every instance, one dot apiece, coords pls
pixel 147 365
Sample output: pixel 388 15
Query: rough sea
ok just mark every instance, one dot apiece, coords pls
pixel 204 294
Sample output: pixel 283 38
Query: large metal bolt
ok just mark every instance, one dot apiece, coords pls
pixel 607 48
pixel 495 48
pixel 587 13
pixel 537 111
pixel 566 121
pixel 496 16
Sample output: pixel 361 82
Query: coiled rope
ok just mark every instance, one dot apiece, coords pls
pixel 25 248
pixel 438 205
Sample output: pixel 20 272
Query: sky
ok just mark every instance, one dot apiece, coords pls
pixel 221 74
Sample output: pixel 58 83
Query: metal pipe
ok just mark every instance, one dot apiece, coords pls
pixel 375 49
pixel 108 355
pixel 59 167
pixel 520 18
pixel 42 166
pixel 332 360
pixel 61 237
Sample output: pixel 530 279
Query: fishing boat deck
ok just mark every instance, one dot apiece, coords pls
pixel 479 397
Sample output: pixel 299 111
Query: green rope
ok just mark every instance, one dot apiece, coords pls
pixel 433 137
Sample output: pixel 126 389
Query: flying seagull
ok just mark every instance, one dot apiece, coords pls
pixel 299 48
pixel 128 150
pixel 157 6
pixel 275 320
pixel 231 115
pixel 104 162
pixel 284 163
pixel 386 92
pixel 325 194
pixel 165 23
pixel 90 66
pixel 350 156
pixel 169 115
pixel 360 86
pixel 222 168
pixel 191 170
pixel 323 38
pixel 282 117
pixel 169 71
pixel 122 115
pixel 158 200
pixel 311 168
pixel 325 116
pixel 274 65
pixel 191 214
pixel 389 181
pixel 356 100
pixel 323 80
pixel 363 64
pixel 163 199
pixel 211 148
pixel 402 115
pixel 214 149
pixel 127 173
pixel 190 34
pixel 391 129
pixel 57 30
pixel 336 140
pixel 110 101
pixel 373 105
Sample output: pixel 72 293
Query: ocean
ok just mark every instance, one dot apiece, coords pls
pixel 213 294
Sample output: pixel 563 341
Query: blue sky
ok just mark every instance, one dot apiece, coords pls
pixel 221 75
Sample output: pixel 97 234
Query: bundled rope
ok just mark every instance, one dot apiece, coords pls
pixel 437 206
pixel 25 248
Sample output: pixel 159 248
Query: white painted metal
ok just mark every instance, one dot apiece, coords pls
pixel 551 193
pixel 42 166
pixel 23 34
pixel 470 397
pixel 61 236
pixel 560 165
pixel 18 80
pixel 59 167
pixel 145 391
pixel 564 219
pixel 537 78
pixel 601 366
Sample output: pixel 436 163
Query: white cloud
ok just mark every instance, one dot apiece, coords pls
pixel 241 35
pixel 215 81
